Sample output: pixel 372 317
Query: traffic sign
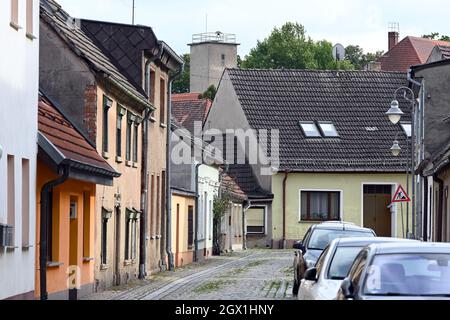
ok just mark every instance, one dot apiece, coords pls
pixel 401 196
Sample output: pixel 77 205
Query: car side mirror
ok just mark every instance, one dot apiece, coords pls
pixel 299 246
pixel 311 275
pixel 347 289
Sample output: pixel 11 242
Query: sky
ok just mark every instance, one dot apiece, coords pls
pixel 357 22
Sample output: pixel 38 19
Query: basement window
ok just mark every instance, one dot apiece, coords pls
pixel 310 129
pixel 328 130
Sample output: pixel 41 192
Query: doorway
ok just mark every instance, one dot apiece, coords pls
pixel 73 248
pixel 377 209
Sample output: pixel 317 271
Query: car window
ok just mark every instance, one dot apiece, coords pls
pixel 306 238
pixel 321 238
pixel 409 274
pixel 358 267
pixel 320 263
pixel 341 262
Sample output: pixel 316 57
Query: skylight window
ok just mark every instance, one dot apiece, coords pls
pixel 310 129
pixel 407 129
pixel 328 130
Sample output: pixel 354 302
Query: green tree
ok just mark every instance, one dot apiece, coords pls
pixel 355 54
pixel 183 83
pixel 436 36
pixel 289 47
pixel 210 93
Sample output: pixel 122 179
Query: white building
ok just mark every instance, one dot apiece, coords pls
pixel 208 189
pixel 19 69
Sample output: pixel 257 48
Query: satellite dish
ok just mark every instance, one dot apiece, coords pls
pixel 339 52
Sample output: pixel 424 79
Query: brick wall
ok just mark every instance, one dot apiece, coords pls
pixel 90 112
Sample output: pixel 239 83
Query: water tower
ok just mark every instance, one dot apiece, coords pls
pixel 211 53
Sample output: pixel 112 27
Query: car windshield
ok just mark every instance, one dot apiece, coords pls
pixel 417 275
pixel 321 238
pixel 342 262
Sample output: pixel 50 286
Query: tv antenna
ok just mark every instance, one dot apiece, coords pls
pixel 339 52
pixel 133 13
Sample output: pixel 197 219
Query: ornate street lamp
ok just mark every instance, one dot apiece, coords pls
pixel 396 149
pixel 395 113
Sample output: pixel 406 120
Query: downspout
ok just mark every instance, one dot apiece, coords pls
pixel 143 236
pixel 169 252
pixel 245 209
pixel 440 212
pixel 286 176
pixel 45 214
pixel 197 211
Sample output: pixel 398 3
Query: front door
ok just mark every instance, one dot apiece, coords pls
pixel 73 248
pixel 377 212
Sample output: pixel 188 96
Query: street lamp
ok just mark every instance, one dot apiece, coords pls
pixel 395 114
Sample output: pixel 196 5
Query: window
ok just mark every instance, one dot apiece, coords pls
pixel 30 20
pixel 163 193
pixel 107 104
pixel 256 218
pixel 11 191
pixel 130 120
pixel 152 86
pixel 106 215
pixel 25 203
pixel 190 227
pixel 158 205
pixel 320 205
pixel 328 130
pixel 120 114
pixel 135 142
pixel 15 14
pixel 73 208
pixel 162 102
pixel 152 206
pixel 86 225
pixel 310 129
pixel 407 129
pixel 131 235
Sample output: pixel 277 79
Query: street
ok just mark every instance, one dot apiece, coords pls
pixel 248 275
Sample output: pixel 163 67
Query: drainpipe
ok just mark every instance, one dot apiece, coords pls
pixel 197 211
pixel 143 235
pixel 169 252
pixel 45 214
pixel 440 212
pixel 286 176
pixel 244 211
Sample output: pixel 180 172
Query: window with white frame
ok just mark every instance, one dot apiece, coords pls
pixel 320 205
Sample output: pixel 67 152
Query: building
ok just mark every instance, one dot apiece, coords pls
pixel 439 53
pixel 332 140
pixel 433 145
pixel 69 169
pixel 410 51
pixel 211 53
pixel 151 65
pixel 109 109
pixel 19 71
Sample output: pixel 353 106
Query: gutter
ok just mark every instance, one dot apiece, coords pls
pixel 411 79
pixel 143 236
pixel 45 214
pixel 169 252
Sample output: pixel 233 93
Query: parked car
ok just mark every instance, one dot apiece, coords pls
pixel 316 240
pixel 407 271
pixel 323 281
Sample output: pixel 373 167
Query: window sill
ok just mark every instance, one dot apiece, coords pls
pixel 54 265
pixel 162 125
pixel 135 165
pixel 87 260
pixel 15 26
pixel 152 119
pixel 30 36
pixel 27 247
pixel 128 163
pixel 105 155
pixel 129 263
pixel 119 159
pixel 315 221
pixel 11 249
pixel 104 267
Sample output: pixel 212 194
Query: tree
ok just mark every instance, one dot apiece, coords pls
pixel 220 207
pixel 289 47
pixel 183 84
pixel 355 54
pixel 210 93
pixel 436 36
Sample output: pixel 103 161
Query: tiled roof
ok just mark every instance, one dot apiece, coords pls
pixel 243 175
pixel 230 184
pixel 409 52
pixel 354 101
pixel 69 142
pixel 66 27
pixel 187 109
pixel 445 50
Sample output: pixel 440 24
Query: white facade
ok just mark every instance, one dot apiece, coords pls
pixel 19 87
pixel 208 189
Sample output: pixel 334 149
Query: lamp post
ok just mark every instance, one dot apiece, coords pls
pixel 395 114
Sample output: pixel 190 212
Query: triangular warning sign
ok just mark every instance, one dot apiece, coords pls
pixel 401 196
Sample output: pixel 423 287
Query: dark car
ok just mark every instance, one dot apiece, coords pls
pixel 401 271
pixel 316 240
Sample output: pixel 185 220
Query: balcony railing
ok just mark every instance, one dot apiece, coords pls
pixel 214 37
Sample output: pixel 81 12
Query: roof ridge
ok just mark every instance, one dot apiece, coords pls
pixel 316 71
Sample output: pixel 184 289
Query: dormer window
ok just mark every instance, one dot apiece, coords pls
pixel 328 130
pixel 310 129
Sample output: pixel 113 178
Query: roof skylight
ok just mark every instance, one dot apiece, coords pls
pixel 328 130
pixel 310 129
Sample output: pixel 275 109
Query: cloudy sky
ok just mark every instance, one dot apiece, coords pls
pixel 362 22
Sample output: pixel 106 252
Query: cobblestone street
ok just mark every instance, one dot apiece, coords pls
pixel 249 275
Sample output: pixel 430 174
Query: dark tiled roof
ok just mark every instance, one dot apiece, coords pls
pixel 67 28
pixel 243 175
pixel 445 50
pixel 409 52
pixel 61 133
pixel 355 101
pixel 188 109
pixel 230 184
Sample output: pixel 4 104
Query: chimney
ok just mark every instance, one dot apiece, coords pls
pixel 393 39
pixel 373 66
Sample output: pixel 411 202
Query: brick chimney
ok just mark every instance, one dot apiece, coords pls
pixel 393 39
